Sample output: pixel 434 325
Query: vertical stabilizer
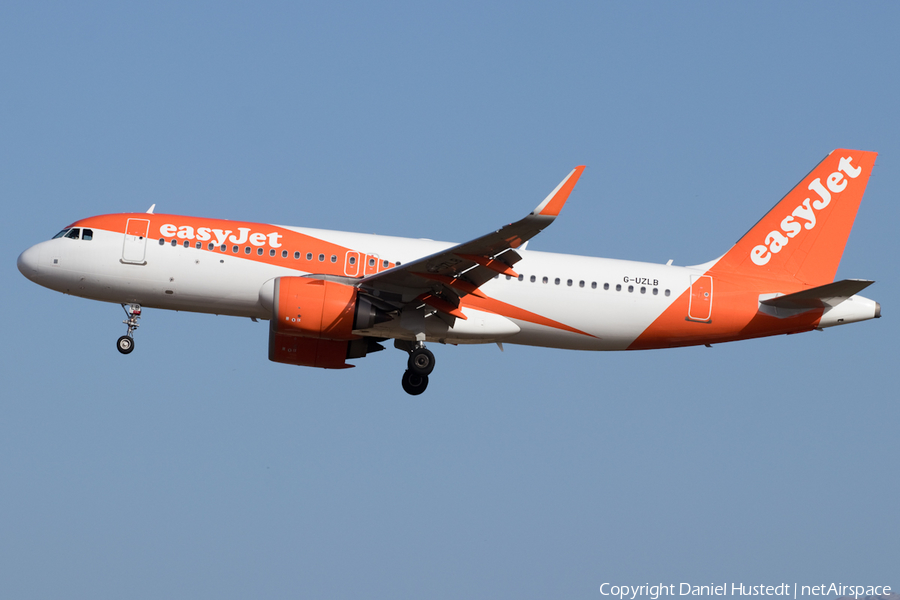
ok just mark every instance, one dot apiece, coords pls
pixel 803 237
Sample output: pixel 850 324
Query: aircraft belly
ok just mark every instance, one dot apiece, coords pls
pixel 480 327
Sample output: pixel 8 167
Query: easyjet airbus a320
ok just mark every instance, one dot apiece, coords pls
pixel 330 296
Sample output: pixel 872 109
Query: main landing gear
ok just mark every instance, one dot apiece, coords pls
pixel 418 367
pixel 125 344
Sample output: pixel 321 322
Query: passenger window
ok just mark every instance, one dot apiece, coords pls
pixel 283 253
pixel 333 258
pixel 371 262
pixel 544 280
pixel 618 287
pixel 296 256
pixel 309 256
pixel 187 244
pixel 605 286
pixel 533 279
pixel 162 242
pixel 593 285
pixel 668 292
pixel 655 291
pixel 630 288
pixel 556 281
pixel 199 245
pixel 581 283
pixel 643 290
pixel 385 263
pixel 259 251
pixel 321 258
pixel 234 249
pixel 521 278
pixel 352 260
pixel 569 283
pixel 73 234
pixel 211 246
pixel 508 277
pixel 223 248
pixel 246 249
pixel 87 234
pixel 174 243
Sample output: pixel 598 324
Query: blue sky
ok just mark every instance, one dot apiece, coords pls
pixel 195 468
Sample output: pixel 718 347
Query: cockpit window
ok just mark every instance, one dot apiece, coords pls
pixel 61 233
pixel 73 233
pixel 87 234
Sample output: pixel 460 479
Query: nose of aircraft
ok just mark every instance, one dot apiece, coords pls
pixel 29 262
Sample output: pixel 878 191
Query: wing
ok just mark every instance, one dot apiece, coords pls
pixel 441 279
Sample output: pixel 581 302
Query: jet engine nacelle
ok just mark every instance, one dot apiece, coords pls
pixel 312 321
pixel 313 308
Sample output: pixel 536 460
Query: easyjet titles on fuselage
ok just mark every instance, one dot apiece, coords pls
pixel 775 241
pixel 221 236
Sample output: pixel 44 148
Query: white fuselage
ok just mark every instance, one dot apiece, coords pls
pixel 577 291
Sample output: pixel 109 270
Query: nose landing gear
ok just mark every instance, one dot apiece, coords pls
pixel 418 367
pixel 125 344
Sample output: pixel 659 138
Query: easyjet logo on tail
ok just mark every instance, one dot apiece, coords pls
pixel 806 212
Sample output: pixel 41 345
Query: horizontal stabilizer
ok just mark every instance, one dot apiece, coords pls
pixel 830 294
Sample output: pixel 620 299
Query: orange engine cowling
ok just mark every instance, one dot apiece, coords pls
pixel 314 308
pixel 313 321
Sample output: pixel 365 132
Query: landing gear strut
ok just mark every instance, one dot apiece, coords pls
pixel 125 344
pixel 418 367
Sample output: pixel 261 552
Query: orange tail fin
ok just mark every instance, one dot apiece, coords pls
pixel 803 237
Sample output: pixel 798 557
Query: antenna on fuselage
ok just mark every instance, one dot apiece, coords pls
pixel 150 210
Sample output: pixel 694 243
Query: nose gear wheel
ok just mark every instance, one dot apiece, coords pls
pixel 125 344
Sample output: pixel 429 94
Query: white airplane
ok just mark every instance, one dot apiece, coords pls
pixel 330 296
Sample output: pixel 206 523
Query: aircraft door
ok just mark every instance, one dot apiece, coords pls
pixel 700 306
pixel 135 245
